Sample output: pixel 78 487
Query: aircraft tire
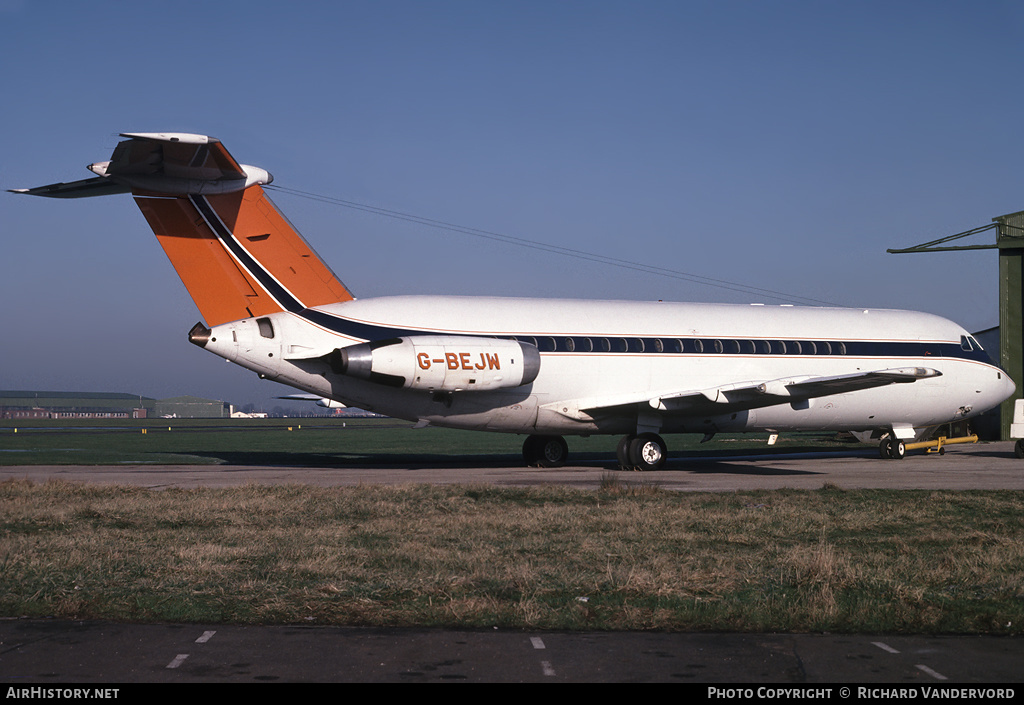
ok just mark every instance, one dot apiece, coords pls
pixel 648 451
pixel 531 451
pixel 622 451
pixel 545 451
pixel 554 451
pixel 883 449
pixel 897 449
pixel 1018 449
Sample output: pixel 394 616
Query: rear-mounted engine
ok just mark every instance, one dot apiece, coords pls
pixel 440 362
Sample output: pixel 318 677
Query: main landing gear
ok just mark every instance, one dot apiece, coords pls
pixel 646 451
pixel 545 451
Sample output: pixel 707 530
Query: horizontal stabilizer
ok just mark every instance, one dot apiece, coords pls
pixel 235 252
pixel 85 188
pixel 164 164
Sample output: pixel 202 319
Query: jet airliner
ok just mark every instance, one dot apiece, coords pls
pixel 544 368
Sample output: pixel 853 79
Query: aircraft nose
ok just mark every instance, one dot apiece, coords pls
pixel 1008 386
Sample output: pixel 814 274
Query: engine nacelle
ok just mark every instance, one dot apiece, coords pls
pixel 451 363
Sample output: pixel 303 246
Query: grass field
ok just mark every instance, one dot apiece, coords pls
pixel 620 557
pixel 617 558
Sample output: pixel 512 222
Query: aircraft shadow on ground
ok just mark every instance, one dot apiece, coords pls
pixel 713 462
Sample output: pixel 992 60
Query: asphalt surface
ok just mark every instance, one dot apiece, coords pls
pixel 47 653
pixel 44 653
pixel 986 466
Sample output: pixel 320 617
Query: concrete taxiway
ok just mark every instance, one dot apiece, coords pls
pixel 983 466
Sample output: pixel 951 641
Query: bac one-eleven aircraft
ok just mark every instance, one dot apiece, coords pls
pixel 546 368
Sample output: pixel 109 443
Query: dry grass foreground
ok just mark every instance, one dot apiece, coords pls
pixel 538 558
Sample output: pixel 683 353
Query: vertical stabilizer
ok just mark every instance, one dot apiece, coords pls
pixel 237 255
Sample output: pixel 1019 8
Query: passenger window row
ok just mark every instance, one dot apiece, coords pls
pixel 725 346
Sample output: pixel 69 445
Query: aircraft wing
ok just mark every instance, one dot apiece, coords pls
pixel 744 395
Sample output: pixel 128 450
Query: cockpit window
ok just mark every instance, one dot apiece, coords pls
pixel 965 343
pixel 975 343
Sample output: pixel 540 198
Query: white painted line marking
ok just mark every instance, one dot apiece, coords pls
pixel 933 674
pixel 537 642
pixel 885 647
pixel 205 637
pixel 178 660
pixel 546 667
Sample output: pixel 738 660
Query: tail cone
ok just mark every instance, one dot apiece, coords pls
pixel 199 335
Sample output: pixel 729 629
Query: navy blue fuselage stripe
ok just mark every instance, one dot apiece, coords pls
pixel 588 344
pixel 548 343
pixel 261 275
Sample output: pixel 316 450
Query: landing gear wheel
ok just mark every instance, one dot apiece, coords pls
pixel 622 452
pixel 892 449
pixel 531 451
pixel 1018 449
pixel 648 451
pixel 545 451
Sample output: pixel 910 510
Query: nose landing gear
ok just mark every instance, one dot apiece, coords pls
pixel 892 449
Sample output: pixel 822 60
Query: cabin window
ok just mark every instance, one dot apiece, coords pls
pixel 824 348
pixel 841 347
pixel 605 345
pixel 793 347
pixel 266 327
pixel 636 345
pixel 809 347
pixel 570 345
pixel 764 347
pixel 717 346
pixel 698 346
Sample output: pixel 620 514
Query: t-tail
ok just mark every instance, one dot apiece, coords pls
pixel 237 255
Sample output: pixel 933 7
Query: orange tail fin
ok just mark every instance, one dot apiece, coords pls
pixel 234 251
pixel 238 256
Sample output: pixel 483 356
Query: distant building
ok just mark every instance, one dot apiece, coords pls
pixel 189 407
pixel 20 404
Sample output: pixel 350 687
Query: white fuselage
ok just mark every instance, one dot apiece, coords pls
pixel 605 364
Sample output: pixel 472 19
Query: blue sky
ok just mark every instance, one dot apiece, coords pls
pixel 776 145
